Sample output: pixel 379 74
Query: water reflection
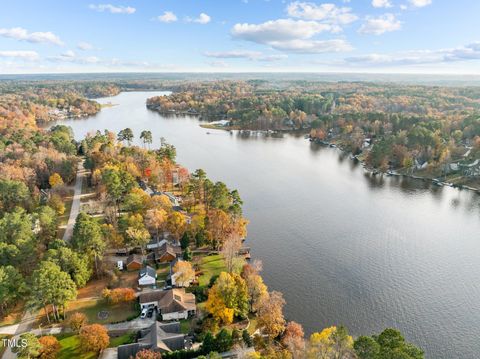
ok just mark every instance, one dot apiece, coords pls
pixel 344 246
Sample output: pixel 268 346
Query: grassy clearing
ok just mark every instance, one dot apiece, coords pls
pixel 210 266
pixel 92 307
pixel 70 348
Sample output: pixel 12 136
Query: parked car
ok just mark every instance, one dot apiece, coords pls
pixel 143 315
pixel 150 312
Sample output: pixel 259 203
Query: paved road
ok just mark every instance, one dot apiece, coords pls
pixel 25 325
pixel 81 174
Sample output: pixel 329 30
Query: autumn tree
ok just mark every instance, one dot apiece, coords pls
pixel 227 298
pixel 148 354
pixel 155 220
pixel 257 290
pixel 55 180
pixel 184 273
pixel 119 295
pixel 94 337
pixel 293 339
pixel 76 321
pixel 333 342
pixel 50 347
pixel 230 249
pixel 176 224
pixel 270 315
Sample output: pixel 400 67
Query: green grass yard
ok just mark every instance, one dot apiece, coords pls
pixel 70 348
pixel 91 308
pixel 126 338
pixel 209 267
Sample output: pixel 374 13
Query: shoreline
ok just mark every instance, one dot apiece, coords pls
pixel 375 171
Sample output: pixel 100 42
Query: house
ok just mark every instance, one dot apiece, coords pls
pixel 420 164
pixel 160 337
pixel 156 243
pixel 167 253
pixel 471 169
pixel 147 276
pixel 134 262
pixel 172 304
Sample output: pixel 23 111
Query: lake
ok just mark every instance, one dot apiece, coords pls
pixel 344 247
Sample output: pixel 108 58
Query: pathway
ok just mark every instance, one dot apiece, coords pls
pixel 75 210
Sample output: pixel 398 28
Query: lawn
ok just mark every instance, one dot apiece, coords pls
pixel 209 267
pixel 185 325
pixel 162 272
pixel 92 307
pixel 126 338
pixel 70 348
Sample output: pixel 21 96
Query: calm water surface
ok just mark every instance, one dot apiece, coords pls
pixel 344 247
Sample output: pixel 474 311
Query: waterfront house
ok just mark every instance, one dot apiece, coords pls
pixel 171 304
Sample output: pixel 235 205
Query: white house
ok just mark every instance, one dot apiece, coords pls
pixel 147 276
pixel 172 304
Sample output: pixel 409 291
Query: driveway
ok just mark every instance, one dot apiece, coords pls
pixel 75 210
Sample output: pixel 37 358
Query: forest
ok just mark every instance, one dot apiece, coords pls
pixel 431 130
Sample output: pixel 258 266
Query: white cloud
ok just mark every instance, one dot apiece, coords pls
pixel 85 46
pixel 71 56
pixel 420 3
pixel 291 36
pixel 381 3
pixel 381 24
pixel 23 55
pixel 328 13
pixel 201 19
pixel 313 46
pixel 245 54
pixel 167 17
pixel 403 7
pixel 463 53
pixel 279 30
pixel 21 34
pixel 113 9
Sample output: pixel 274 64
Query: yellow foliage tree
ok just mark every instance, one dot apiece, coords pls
pixel 55 180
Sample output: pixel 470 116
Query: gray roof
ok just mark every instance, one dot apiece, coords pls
pixel 159 337
pixel 147 270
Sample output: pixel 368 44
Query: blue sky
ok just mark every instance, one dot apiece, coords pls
pixel 400 36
